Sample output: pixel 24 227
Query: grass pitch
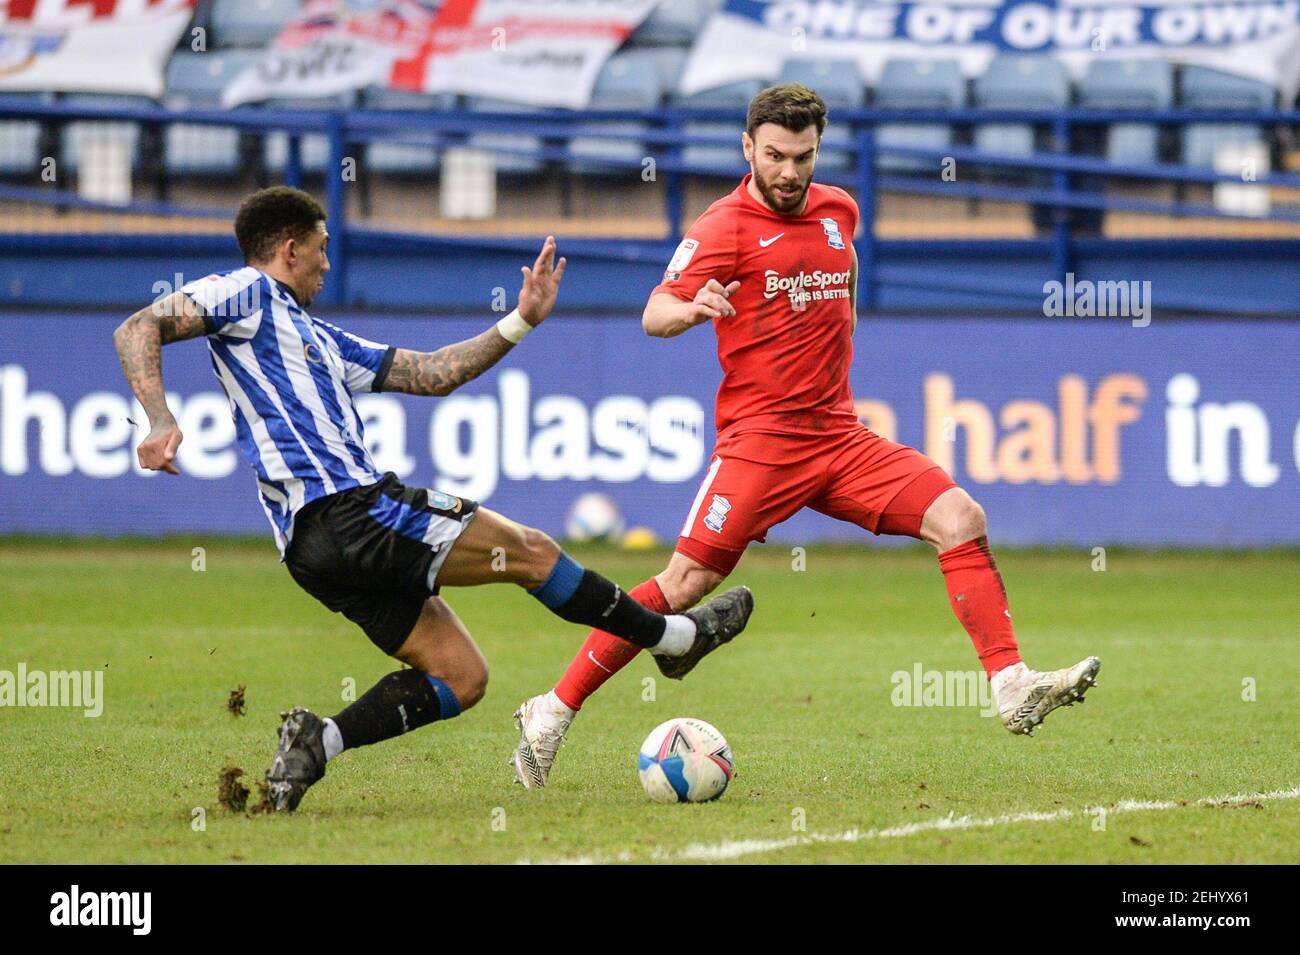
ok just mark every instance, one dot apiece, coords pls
pixel 1196 700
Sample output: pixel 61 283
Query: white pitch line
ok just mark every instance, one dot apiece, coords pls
pixel 721 851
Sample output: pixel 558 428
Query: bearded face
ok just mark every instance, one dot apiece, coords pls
pixel 782 162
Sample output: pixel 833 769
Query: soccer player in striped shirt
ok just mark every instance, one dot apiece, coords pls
pixel 360 541
pixel 771 267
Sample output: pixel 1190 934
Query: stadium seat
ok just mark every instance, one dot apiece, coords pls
pixel 195 81
pixel 1202 141
pixel 629 80
pixel 20 139
pixel 1022 81
pixel 508 163
pixel 839 83
pixel 674 23
pixel 1133 144
pixel 1209 89
pixel 79 135
pixel 1204 88
pixel 1129 84
pixel 250 23
pixel 398 158
pixel 1005 139
pixel 917 84
pixel 1017 81
pixel 314 148
pixel 734 97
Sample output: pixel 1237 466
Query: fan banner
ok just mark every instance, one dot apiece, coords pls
pixel 530 52
pixel 109 46
pixel 750 39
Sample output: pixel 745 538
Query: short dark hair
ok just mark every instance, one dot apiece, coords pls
pixel 792 106
pixel 269 216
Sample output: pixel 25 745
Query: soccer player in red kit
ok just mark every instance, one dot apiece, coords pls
pixel 772 267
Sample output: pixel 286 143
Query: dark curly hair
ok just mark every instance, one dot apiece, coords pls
pixel 791 106
pixel 269 216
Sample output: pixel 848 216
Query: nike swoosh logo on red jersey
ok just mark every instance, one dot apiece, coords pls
pixel 766 242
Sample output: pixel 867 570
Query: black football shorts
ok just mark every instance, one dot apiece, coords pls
pixel 373 553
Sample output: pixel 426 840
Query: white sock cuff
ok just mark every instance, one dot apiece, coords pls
pixel 332 739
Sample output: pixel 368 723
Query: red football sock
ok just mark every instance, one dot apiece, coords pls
pixel 604 654
pixel 979 600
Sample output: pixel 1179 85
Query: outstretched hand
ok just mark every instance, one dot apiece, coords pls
pixel 541 284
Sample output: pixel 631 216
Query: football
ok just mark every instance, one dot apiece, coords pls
pixel 593 517
pixel 685 760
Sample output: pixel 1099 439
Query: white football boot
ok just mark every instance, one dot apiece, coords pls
pixel 1026 696
pixel 542 723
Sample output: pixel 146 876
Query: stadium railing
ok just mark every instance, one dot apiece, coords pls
pixel 1068 192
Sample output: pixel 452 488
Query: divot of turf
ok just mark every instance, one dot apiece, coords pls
pixel 231 793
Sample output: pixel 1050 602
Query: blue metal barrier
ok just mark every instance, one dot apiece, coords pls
pixel 666 140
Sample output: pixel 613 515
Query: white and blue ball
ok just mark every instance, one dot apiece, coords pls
pixel 685 760
pixel 593 517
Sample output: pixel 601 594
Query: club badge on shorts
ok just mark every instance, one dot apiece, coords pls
pixel 833 237
pixel 444 502
pixel 717 515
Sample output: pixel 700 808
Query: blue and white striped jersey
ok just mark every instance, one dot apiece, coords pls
pixel 290 379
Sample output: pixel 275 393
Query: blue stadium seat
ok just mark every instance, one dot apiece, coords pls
pixel 1022 81
pixel 399 158
pixel 250 23
pixel 917 84
pixel 195 81
pixel 734 97
pixel 628 80
pixel 839 83
pixel 79 134
pixel 513 164
pixel 674 23
pixel 20 139
pixel 314 148
pixel 1017 81
pixel 1005 139
pixel 1209 89
pixel 1204 88
pixel 1129 84
pixel 1133 144
pixel 1202 141
pixel 921 84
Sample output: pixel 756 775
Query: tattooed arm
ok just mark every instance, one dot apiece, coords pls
pixel 139 342
pixel 443 371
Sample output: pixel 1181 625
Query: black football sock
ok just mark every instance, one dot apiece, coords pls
pixel 583 596
pixel 398 703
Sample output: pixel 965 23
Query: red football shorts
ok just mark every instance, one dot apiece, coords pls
pixel 756 481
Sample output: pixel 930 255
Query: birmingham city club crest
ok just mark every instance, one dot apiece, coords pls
pixel 833 237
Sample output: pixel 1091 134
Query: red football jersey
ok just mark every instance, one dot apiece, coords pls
pixel 786 352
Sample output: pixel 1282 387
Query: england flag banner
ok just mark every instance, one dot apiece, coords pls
pixel 108 46
pixel 531 52
pixel 751 39
pixel 536 52
pixel 333 48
